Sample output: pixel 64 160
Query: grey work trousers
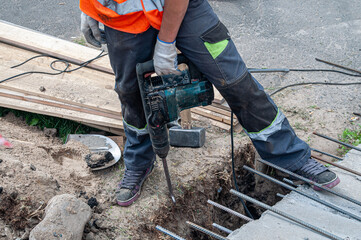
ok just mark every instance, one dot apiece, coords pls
pixel 205 41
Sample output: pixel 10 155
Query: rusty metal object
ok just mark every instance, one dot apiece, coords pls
pixel 337 141
pixel 336 165
pixel 337 65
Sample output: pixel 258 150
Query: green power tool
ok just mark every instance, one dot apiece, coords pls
pixel 164 97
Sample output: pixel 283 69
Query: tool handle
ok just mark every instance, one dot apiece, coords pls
pixel 148 67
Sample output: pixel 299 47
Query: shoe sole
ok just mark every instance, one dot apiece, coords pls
pixel 329 185
pixel 137 195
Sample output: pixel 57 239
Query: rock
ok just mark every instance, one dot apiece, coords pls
pixel 92 202
pixel 50 132
pixel 1 189
pixel 90 236
pixel 65 216
pixel 32 167
pixel 26 234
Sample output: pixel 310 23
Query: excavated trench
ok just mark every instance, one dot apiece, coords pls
pixel 194 207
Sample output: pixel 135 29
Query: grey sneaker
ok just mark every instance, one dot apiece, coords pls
pixel 129 188
pixel 318 173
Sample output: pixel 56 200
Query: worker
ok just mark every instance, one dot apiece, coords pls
pixel 137 31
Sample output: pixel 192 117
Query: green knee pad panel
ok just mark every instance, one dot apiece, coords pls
pixel 216 39
pixel 216 48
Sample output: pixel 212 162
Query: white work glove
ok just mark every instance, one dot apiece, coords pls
pixel 92 33
pixel 165 58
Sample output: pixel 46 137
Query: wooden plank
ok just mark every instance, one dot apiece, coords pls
pixel 206 113
pixel 64 113
pixel 218 98
pixel 186 118
pixel 217 110
pixel 114 114
pixel 119 140
pixel 36 40
pixel 19 96
pixel 79 87
pixel 117 131
pixel 213 122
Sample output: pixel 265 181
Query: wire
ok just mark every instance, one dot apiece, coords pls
pixel 318 83
pixel 233 169
pixel 59 71
pixel 324 70
pixel 313 83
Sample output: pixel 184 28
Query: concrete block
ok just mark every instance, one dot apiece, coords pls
pixel 273 226
pixel 194 137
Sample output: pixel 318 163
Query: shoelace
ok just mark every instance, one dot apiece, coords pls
pixel 132 178
pixel 312 168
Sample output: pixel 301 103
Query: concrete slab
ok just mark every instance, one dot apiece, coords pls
pixel 273 226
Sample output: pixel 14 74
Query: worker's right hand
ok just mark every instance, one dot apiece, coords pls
pixel 92 33
pixel 165 58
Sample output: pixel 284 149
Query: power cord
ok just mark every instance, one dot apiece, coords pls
pixel 59 71
pixel 313 83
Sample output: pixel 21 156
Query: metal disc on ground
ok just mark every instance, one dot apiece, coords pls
pixel 104 151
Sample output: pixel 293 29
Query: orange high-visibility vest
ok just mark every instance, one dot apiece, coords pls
pixel 132 16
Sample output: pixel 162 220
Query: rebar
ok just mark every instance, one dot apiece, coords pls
pixel 336 165
pixel 310 182
pixel 337 141
pixel 302 193
pixel 169 233
pixel 286 180
pixel 206 231
pixel 327 154
pixel 221 228
pixel 283 214
pixel 230 211
pixel 337 65
pixel 280 195
pixel 266 70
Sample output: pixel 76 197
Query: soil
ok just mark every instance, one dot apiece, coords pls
pixel 40 166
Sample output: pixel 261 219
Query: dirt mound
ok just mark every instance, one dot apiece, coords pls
pixel 40 166
pixel 193 204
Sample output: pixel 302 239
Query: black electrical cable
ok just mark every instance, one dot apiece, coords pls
pixel 234 171
pixel 313 83
pixel 59 71
pixel 324 70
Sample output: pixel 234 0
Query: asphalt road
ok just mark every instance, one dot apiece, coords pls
pixel 60 18
pixel 271 34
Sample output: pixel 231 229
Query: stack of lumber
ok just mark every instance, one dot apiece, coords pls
pixel 85 95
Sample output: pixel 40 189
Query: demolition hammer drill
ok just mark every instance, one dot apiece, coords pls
pixel 164 97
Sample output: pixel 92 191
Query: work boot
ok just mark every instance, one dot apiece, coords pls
pixel 129 188
pixel 318 173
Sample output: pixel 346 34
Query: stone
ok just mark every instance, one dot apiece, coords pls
pixel 65 216
pixel 50 132
pixel 90 236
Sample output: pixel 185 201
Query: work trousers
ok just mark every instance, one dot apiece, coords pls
pixel 205 41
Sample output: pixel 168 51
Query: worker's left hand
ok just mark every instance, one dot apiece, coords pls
pixel 92 33
pixel 165 58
